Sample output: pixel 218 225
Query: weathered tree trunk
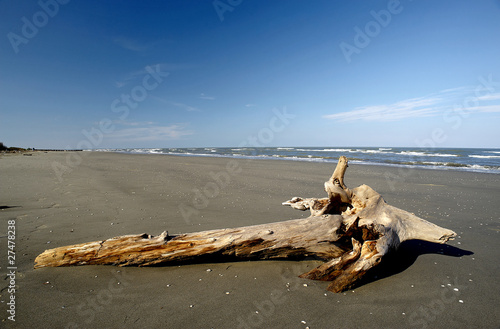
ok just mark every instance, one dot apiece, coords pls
pixel 350 230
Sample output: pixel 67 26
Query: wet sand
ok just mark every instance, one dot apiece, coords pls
pixel 62 198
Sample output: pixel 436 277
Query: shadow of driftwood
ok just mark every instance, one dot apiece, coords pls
pixel 393 263
pixel 407 253
pixel 8 207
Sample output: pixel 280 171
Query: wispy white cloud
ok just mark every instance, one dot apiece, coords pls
pixel 203 96
pixel 185 107
pixel 130 44
pixel 150 133
pixel 489 97
pixel 456 90
pixel 250 105
pixel 182 106
pixel 139 45
pixel 133 76
pixel 119 84
pixel 408 108
pixel 132 123
pixel 427 106
pixel 136 76
pixel 485 109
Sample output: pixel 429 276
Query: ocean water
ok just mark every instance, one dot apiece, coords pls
pixel 468 159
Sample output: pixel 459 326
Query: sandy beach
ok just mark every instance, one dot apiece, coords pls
pixel 62 198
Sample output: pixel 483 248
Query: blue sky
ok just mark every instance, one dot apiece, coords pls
pixel 111 74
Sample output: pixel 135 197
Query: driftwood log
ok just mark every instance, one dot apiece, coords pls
pixel 351 230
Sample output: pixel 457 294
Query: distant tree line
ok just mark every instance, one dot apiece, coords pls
pixel 4 148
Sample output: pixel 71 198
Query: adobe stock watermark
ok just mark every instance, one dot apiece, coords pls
pixel 363 36
pixel 453 118
pixel 265 309
pixel 122 106
pixel 30 27
pixel 97 302
pixel 426 314
pixel 12 269
pixel 201 197
pixel 221 179
pixel 223 6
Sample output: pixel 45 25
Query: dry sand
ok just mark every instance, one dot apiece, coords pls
pixel 102 195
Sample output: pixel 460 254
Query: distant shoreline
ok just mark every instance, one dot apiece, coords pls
pixel 18 150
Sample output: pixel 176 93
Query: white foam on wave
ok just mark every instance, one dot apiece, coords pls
pixel 325 150
pixel 435 163
pixel 104 150
pixel 136 150
pixel 311 156
pixel 343 150
pixel 484 156
pixel 423 154
pixel 413 153
pixel 434 166
pixel 443 155
pixel 379 151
